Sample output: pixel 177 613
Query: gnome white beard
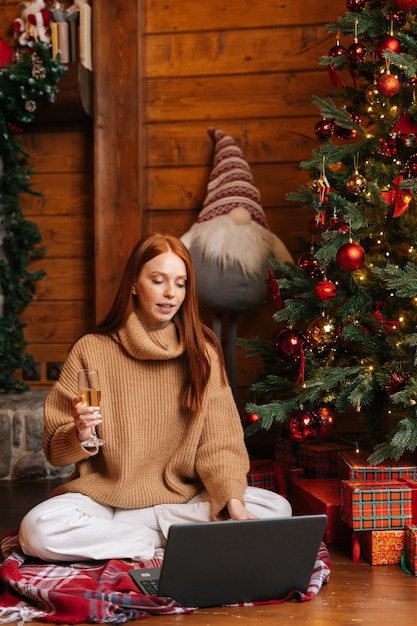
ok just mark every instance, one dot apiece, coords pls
pixel 222 241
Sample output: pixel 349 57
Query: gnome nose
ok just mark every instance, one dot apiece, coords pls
pixel 240 216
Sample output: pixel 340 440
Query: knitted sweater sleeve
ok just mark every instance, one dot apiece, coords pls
pixel 60 442
pixel 222 460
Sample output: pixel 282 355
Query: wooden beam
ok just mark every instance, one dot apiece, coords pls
pixel 116 38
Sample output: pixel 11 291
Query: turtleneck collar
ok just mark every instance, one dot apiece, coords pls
pixel 158 345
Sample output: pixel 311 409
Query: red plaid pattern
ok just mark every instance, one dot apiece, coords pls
pixel 375 505
pixel 318 460
pixel 355 466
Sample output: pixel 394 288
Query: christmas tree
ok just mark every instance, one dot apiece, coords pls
pixel 345 334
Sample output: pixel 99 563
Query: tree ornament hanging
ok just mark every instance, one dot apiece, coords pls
pixel 303 426
pixel 347 133
pixel 389 42
pixel 325 290
pixel 310 265
pixel 405 130
pixel 327 417
pixel 397 197
pixel 396 383
pixel 388 85
pixel 356 184
pixel 372 94
pixel 322 333
pixel 274 293
pixel 337 50
pixel 350 256
pixel 396 17
pixel 340 226
pixel 324 129
pixel 249 418
pixel 355 6
pixel 356 53
pixel 290 344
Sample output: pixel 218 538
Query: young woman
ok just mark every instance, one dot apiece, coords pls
pixel 173 447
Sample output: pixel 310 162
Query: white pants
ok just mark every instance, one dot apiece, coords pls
pixel 73 527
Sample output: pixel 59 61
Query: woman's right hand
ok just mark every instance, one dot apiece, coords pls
pixel 86 418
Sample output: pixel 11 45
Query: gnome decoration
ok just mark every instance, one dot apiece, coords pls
pixel 231 243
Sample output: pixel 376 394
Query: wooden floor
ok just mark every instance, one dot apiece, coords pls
pixel 360 594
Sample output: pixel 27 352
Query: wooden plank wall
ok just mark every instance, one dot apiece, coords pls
pixel 249 68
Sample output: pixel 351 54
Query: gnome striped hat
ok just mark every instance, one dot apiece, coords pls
pixel 231 182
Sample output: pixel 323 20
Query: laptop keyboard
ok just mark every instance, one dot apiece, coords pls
pixel 149 587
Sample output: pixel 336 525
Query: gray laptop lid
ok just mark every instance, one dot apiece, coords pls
pixel 217 563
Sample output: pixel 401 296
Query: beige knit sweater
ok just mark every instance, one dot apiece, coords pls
pixel 152 454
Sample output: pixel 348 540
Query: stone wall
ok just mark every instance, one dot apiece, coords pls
pixel 21 424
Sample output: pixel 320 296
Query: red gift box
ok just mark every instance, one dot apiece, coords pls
pixel 318 460
pixel 372 505
pixel 411 548
pixel 413 485
pixel 382 547
pixel 271 475
pixel 355 466
pixel 312 496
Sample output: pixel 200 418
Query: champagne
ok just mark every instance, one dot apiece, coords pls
pixel 91 397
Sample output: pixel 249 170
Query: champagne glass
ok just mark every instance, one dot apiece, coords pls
pixel 89 389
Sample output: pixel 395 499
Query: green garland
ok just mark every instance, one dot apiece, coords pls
pixel 22 85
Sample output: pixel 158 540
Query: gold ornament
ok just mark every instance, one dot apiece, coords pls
pixel 335 167
pixel 322 333
pixel 314 186
pixel 372 94
pixel 356 184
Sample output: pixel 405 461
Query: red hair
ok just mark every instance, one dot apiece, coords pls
pixel 196 333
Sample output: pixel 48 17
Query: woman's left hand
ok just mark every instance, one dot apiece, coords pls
pixel 237 510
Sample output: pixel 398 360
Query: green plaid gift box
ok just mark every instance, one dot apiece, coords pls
pixel 372 505
pixel 355 466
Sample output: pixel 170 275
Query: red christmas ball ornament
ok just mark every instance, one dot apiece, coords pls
pixel 337 51
pixel 356 53
pixel 310 265
pixel 411 167
pixel 335 224
pixel 303 426
pixel 405 5
pixel 324 129
pixel 389 42
pixel 315 226
pixel 249 418
pixel 355 6
pixel 325 290
pixel 388 85
pixel 350 256
pixel 327 416
pixel 290 344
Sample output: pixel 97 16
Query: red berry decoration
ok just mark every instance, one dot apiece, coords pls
pixel 310 265
pixel 324 129
pixel 355 6
pixel 325 290
pixel 389 42
pixel 350 257
pixel 303 426
pixel 405 5
pixel 290 344
pixel 356 53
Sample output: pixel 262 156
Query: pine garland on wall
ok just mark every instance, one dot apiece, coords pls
pixel 31 79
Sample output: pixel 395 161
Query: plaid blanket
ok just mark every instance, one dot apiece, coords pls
pixel 94 591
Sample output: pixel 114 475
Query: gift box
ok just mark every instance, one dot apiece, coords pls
pixel 318 460
pixel 271 475
pixel 411 548
pixel 313 496
pixel 413 485
pixel 263 473
pixel 371 505
pixel 353 465
pixel 382 547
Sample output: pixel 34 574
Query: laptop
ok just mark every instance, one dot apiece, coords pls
pixel 235 561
